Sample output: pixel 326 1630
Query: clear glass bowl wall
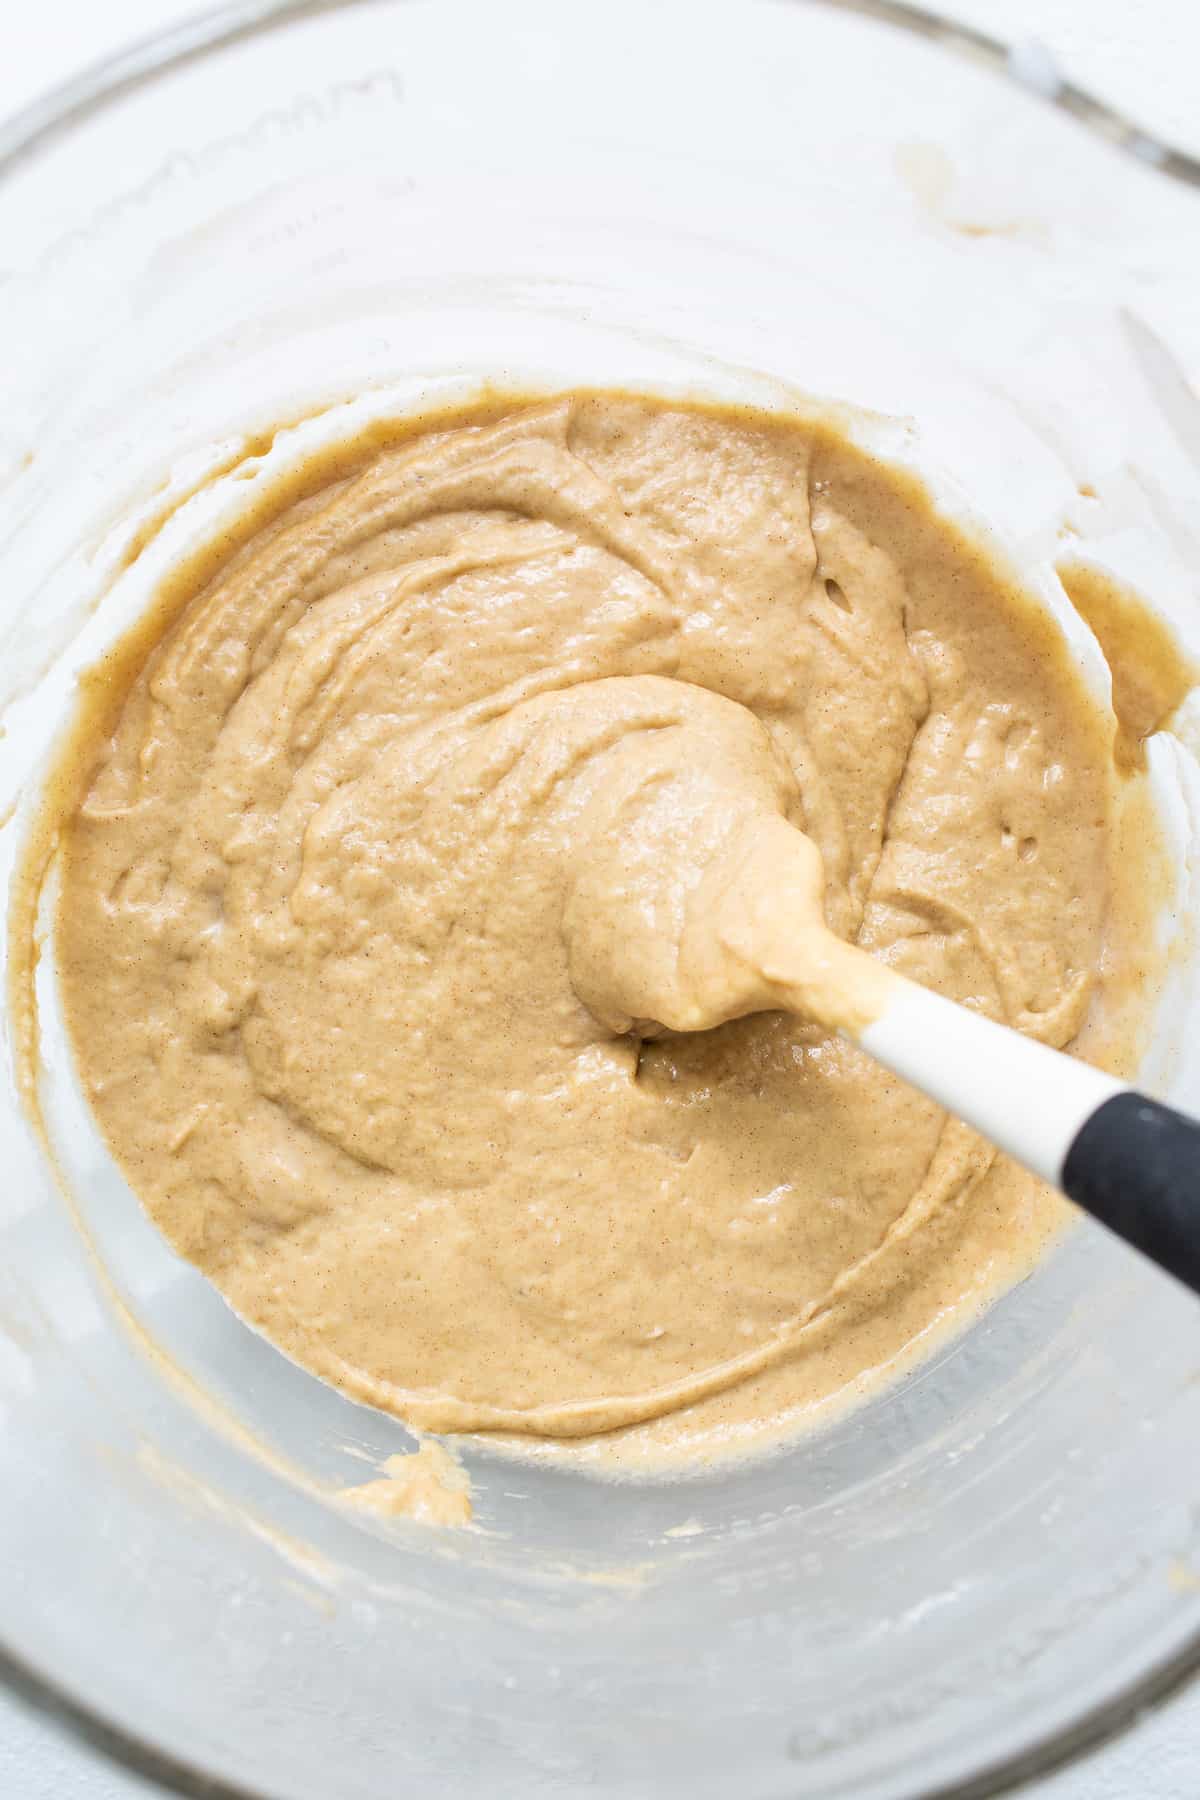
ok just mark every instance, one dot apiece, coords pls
pixel 969 1577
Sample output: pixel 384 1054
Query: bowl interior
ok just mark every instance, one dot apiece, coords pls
pixel 360 213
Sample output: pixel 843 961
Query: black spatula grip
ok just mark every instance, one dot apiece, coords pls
pixel 1135 1166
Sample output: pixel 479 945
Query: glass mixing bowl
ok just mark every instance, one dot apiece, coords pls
pixel 253 232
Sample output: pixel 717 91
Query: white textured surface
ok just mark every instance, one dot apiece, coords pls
pixel 1141 59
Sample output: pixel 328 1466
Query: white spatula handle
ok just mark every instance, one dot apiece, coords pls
pixel 1028 1099
pixel 1130 1161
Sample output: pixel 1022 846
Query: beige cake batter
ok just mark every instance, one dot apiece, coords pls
pixel 381 833
pixel 426 1485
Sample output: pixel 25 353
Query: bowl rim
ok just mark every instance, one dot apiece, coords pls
pixel 52 115
pixel 97 84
